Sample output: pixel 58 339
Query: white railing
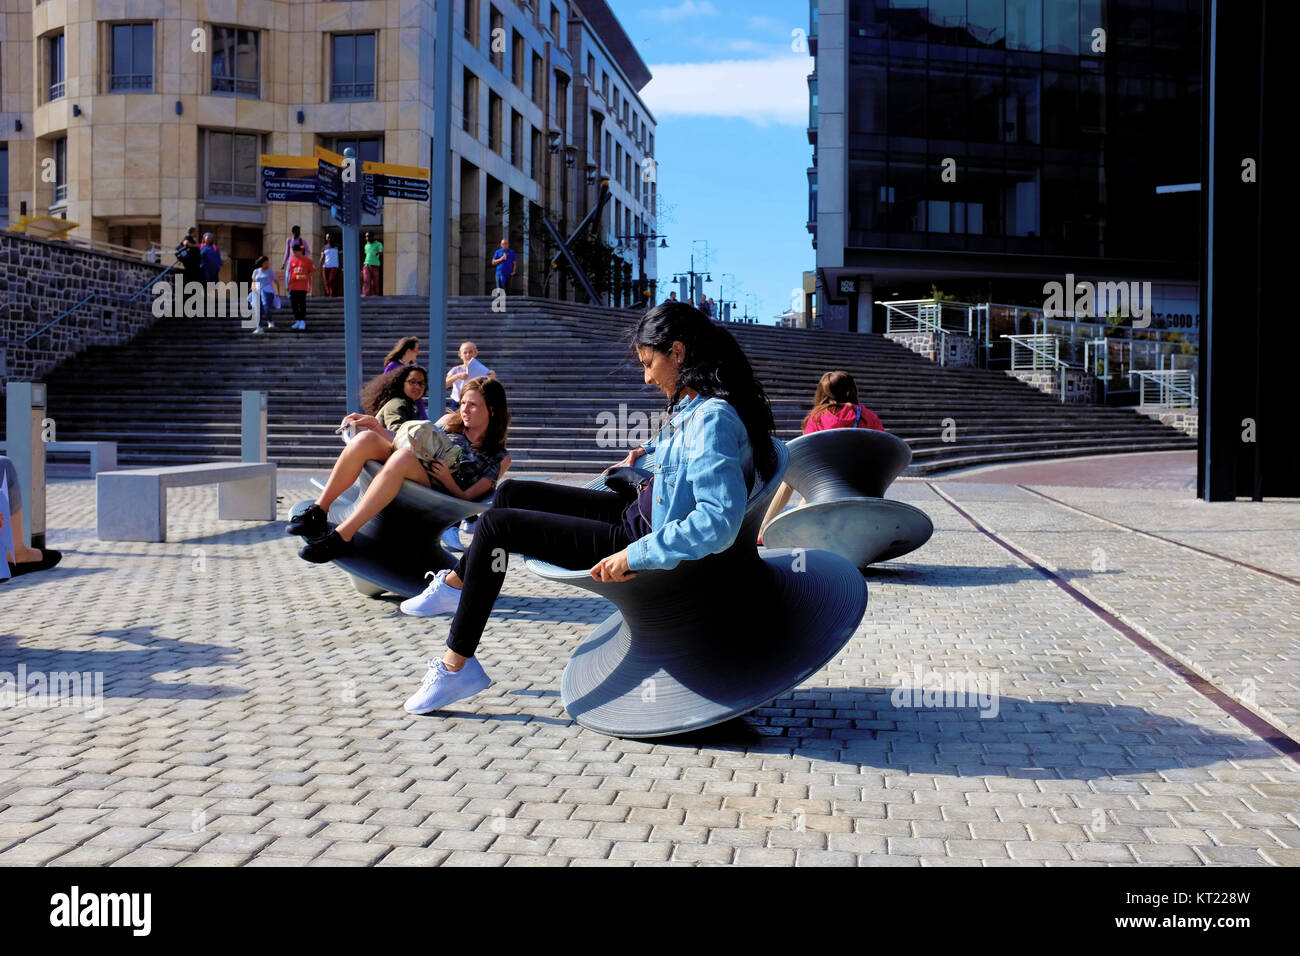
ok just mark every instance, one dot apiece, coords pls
pixel 938 317
pixel 1171 388
pixel 1030 353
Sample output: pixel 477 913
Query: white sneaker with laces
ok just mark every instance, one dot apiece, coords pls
pixel 438 598
pixel 441 686
pixel 259 331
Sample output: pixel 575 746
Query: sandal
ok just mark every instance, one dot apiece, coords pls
pixel 49 558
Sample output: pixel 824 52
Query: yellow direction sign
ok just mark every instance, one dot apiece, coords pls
pixel 392 169
pixel 288 162
pixel 331 157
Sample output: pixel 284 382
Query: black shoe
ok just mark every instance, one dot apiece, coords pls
pixel 325 548
pixel 49 558
pixel 312 523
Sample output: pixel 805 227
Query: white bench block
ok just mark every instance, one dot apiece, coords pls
pixel 132 505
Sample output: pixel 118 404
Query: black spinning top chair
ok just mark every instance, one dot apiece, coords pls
pixel 842 474
pixel 710 639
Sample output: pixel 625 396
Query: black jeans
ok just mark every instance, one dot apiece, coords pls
pixel 571 527
pixel 298 299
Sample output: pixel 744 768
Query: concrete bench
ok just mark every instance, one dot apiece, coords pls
pixel 103 454
pixel 132 505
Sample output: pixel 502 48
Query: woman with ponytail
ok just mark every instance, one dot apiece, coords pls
pixel 716 444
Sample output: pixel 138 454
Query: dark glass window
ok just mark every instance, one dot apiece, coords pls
pixel 986 22
pixel 903 195
pixel 1023 107
pixel 539 79
pixel 516 140
pixel 907 99
pixel 497 38
pixel 469 104
pixel 352 75
pixel 1060 109
pixel 60 171
pixel 1025 24
pixel 1092 16
pixel 232 165
pixel 1020 189
pixel 517 60
pixel 984 104
pixel 131 66
pixel 494 122
pixel 947 105
pixel 54 54
pixel 1061 27
pixel 235 62
pixel 908 20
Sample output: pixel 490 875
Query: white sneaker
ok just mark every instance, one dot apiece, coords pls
pixel 451 539
pixel 441 687
pixel 270 325
pixel 438 598
pixel 259 330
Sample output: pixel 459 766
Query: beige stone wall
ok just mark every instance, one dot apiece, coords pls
pixel 133 161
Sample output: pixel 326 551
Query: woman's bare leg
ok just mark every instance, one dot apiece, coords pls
pixel 779 501
pixel 21 554
pixel 383 489
pixel 368 446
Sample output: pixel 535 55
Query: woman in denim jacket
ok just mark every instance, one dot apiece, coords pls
pixel 703 464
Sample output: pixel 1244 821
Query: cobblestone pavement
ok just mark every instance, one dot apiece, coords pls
pixel 251 708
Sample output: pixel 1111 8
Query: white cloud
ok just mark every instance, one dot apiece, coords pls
pixel 765 92
pixel 688 8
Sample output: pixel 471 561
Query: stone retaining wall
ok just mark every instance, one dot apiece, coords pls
pixel 1080 387
pixel 961 348
pixel 1186 420
pixel 41 279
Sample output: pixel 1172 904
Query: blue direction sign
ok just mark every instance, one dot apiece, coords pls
pixel 288 178
pixel 391 181
pixel 329 178
pixel 369 201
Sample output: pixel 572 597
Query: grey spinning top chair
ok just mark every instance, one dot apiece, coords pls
pixel 842 474
pixel 710 639
pixel 394 550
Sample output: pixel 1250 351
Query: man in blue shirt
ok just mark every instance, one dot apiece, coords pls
pixel 504 260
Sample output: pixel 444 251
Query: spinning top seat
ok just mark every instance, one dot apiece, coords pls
pixel 842 474
pixel 394 549
pixel 710 639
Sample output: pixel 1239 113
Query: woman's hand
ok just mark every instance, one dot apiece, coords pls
pixel 368 422
pixel 442 474
pixel 629 461
pixel 614 568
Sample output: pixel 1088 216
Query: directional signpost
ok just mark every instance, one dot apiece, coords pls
pixel 330 180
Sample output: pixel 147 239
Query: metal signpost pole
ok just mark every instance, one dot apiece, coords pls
pixel 440 202
pixel 351 282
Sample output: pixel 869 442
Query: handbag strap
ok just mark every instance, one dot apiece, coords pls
pixel 857 417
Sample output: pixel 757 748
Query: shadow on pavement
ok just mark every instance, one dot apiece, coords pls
pixel 128 673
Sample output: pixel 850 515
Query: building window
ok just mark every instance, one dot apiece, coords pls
pixel 469 104
pixel 651 148
pixel 625 112
pixel 617 100
pixel 54 55
pixel 231 165
pixel 535 154
pixel 604 85
pixel 131 67
pixel 609 151
pixel 557 27
pixel 235 64
pixel 591 69
pixel 516 140
pixel 369 149
pixel 4 182
pixel 471 21
pixel 60 171
pixel 497 38
pixel 562 104
pixel 539 80
pixel 618 164
pixel 494 122
pixel 352 71
pixel 517 60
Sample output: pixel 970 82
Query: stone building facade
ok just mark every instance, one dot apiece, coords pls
pixel 140 118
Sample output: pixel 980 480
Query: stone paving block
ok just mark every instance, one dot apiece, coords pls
pixel 151 856
pixel 413 856
pixel 1101 852
pixel 695 853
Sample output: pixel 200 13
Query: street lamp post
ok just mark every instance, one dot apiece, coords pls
pixel 641 238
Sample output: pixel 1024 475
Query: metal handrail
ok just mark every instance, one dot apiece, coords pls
pixel 1177 387
pixel 1033 343
pixel 63 315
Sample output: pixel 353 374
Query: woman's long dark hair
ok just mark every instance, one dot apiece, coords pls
pixel 715 367
pixel 382 389
pixel 494 397
pixel 403 346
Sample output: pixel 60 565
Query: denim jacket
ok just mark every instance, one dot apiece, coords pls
pixel 699 461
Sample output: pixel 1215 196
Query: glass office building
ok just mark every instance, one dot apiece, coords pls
pixel 999 144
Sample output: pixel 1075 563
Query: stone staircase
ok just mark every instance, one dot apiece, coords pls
pixel 172 394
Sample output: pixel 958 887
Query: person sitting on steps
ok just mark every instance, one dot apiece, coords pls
pixel 22 559
pixel 478 430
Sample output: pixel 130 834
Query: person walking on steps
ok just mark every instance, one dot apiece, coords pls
pixel 300 269
pixel 504 261
pixel 373 259
pixel 294 239
pixel 330 272
pixel 266 286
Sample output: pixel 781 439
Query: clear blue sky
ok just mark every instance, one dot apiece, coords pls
pixel 730 96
